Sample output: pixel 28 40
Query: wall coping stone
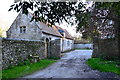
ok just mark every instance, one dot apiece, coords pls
pixel 15 39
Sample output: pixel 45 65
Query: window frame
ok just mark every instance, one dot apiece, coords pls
pixel 22 29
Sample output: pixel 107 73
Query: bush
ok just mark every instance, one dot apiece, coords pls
pixel 27 61
pixel 10 66
pixel 20 63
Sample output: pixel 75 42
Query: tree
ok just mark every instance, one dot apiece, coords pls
pixel 113 14
pixel 52 12
pixel 56 12
pixel 94 20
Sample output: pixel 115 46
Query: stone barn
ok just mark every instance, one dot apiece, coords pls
pixel 22 28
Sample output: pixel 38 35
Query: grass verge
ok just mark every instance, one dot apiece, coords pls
pixel 19 71
pixel 104 65
pixel 54 58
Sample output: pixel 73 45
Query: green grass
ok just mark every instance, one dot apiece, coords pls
pixel 19 71
pixel 104 65
pixel 54 58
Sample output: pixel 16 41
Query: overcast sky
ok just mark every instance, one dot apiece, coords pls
pixel 7 18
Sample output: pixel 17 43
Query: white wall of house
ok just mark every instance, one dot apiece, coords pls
pixel 90 46
pixel 67 44
pixel 51 37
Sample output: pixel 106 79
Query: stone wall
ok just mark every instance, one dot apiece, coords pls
pixel 15 51
pixel 54 49
pixel 105 47
pixel 32 31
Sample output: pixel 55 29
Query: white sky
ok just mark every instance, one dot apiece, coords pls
pixel 7 17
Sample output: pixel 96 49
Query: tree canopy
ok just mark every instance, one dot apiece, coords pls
pixel 86 18
pixel 101 20
pixel 52 12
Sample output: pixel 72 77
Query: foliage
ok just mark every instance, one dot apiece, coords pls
pixel 34 58
pixel 25 62
pixel 94 21
pixel 19 71
pixel 10 66
pixel 113 14
pixel 54 58
pixel 52 12
pixel 20 64
pixel 104 65
pixel 112 6
pixel 56 12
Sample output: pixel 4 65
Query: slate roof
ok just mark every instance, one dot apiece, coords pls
pixel 49 30
pixel 67 34
pixel 54 30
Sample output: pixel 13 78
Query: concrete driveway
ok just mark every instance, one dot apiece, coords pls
pixel 72 65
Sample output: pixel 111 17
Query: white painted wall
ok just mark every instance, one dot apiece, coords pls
pixel 67 44
pixel 50 36
pixel 83 46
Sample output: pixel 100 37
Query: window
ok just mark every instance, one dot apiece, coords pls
pixel 23 29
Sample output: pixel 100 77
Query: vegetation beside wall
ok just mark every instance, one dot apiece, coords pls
pixel 104 65
pixel 23 70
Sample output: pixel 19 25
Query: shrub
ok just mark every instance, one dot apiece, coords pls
pixel 55 58
pixel 10 66
pixel 27 61
pixel 20 63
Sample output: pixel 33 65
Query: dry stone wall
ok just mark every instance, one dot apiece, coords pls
pixel 107 48
pixel 15 51
pixel 54 49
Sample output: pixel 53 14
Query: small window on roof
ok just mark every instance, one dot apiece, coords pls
pixel 22 29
